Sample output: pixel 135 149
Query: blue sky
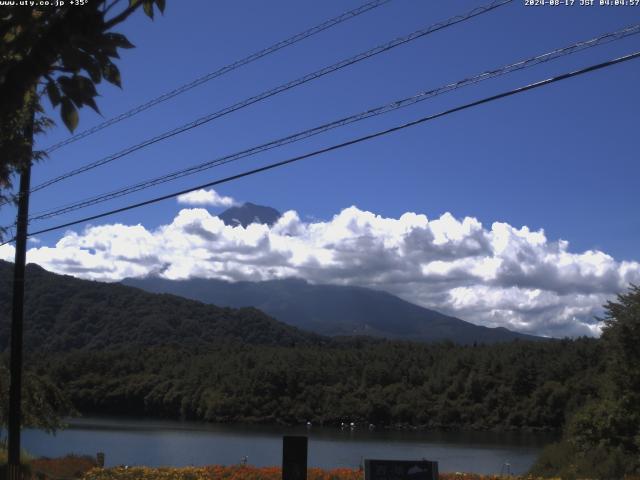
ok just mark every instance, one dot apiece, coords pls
pixel 562 158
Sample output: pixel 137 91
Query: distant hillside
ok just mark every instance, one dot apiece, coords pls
pixel 333 310
pixel 63 313
pixel 249 213
pixel 117 350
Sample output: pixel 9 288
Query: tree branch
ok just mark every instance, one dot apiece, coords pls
pixel 120 17
pixel 113 4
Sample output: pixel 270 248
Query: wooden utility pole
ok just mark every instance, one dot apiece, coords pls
pixel 14 471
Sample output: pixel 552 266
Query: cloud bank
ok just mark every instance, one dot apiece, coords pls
pixel 497 276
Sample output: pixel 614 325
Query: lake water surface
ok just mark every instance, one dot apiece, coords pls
pixel 172 443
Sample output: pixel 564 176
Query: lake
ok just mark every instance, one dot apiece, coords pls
pixel 173 443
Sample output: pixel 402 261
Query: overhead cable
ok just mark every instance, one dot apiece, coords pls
pixel 221 71
pixel 381 133
pixel 486 75
pixel 279 89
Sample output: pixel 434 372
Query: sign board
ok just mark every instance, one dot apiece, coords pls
pixel 294 458
pixel 400 470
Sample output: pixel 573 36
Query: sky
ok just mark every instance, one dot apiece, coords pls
pixel 518 213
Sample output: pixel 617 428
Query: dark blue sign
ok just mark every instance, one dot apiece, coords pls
pixel 400 470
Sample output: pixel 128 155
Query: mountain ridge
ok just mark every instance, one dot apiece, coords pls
pixel 249 213
pixel 333 310
pixel 65 313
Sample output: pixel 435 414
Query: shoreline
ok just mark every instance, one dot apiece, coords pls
pixel 190 424
pixel 156 443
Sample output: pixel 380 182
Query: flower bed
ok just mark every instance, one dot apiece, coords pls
pixel 218 472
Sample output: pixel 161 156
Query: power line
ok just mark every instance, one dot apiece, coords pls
pixel 279 89
pixel 221 71
pixel 381 133
pixel 529 62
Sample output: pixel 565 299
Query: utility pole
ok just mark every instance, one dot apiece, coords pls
pixel 14 471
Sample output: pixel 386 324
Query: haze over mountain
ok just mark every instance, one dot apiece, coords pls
pixel 332 310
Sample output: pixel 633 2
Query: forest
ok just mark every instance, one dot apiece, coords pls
pixel 115 349
pixel 107 349
pixel 389 384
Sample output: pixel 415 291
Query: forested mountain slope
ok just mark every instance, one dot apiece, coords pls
pixel 64 313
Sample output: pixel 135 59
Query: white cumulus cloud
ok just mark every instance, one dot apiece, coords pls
pixel 206 197
pixel 7 252
pixel 497 275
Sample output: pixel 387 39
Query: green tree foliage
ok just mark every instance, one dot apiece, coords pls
pixel 602 439
pixel 621 336
pixel 44 405
pixel 61 52
pixel 386 383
